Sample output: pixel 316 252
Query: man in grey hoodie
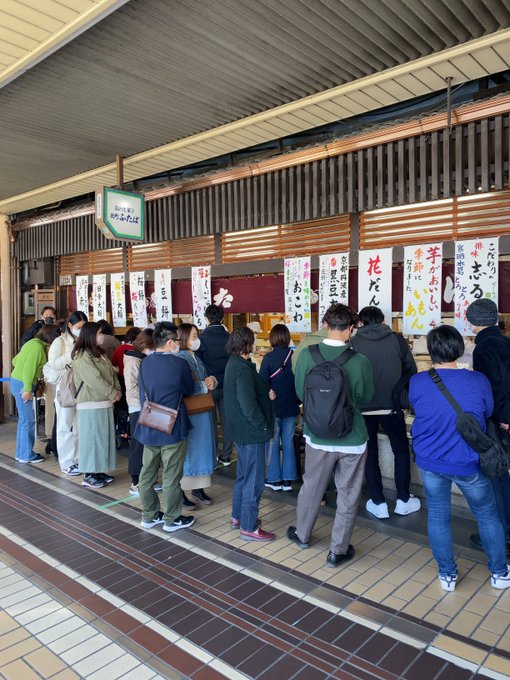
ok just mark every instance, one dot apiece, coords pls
pixel 392 366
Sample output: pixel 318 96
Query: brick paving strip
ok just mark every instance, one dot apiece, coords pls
pixel 199 615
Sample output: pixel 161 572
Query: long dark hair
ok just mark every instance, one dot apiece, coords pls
pixel 87 342
pixel 184 332
pixel 72 319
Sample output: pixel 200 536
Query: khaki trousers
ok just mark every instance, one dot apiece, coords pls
pixel 348 470
pixel 171 458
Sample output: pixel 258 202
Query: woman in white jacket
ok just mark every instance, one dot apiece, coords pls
pixel 59 356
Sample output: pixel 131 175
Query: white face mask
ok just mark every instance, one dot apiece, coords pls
pixel 175 350
pixel 75 332
pixel 194 345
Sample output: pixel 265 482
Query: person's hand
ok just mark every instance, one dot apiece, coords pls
pixel 272 395
pixel 27 396
pixel 504 426
pixel 210 382
pixel 118 396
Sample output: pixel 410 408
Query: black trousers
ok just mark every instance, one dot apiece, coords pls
pixel 393 425
pixel 135 450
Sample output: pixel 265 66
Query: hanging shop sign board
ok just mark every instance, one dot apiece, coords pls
pixel 99 296
pixel 118 297
pixel 476 276
pixel 298 313
pixel 201 294
pixel 163 294
pixel 422 288
pixel 120 215
pixel 137 295
pixel 374 280
pixel 333 281
pixel 82 294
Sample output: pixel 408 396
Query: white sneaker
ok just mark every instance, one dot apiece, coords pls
pixel 448 581
pixel 412 505
pixel 501 581
pixel 380 511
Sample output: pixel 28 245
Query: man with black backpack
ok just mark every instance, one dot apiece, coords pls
pixel 332 380
pixel 393 365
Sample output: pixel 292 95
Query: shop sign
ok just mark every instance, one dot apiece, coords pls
pixel 82 294
pixel 476 276
pixel 99 296
pixel 296 275
pixel 120 214
pixel 118 297
pixel 65 280
pixel 333 281
pixel 163 294
pixel 422 288
pixel 374 280
pixel 137 296
pixel 201 294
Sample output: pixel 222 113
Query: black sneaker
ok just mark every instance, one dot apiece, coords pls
pixel 201 495
pixel 179 523
pixel 107 479
pixel 37 459
pixel 292 536
pixel 286 485
pixel 187 504
pixel 224 461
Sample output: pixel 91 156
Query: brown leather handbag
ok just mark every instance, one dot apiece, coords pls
pixel 156 416
pixel 199 403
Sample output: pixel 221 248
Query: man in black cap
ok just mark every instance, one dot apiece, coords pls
pixel 491 357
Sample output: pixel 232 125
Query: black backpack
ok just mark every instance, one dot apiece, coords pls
pixel 328 411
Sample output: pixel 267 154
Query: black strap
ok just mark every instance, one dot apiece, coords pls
pixel 339 361
pixel 445 391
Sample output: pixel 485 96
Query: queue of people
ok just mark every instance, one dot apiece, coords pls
pixel 353 377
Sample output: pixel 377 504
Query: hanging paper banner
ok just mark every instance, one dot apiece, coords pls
pixel 99 296
pixel 423 266
pixel 298 316
pixel 201 294
pixel 118 295
pixel 333 281
pixel 476 276
pixel 374 280
pixel 82 294
pixel 137 295
pixel 163 294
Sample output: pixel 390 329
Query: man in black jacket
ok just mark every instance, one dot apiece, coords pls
pixel 392 366
pixel 48 315
pixel 491 357
pixel 213 352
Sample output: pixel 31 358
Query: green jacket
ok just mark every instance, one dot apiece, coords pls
pixel 28 363
pixel 249 412
pixel 361 383
pixel 310 339
pixel 100 382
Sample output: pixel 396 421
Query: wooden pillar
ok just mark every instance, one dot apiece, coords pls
pixel 5 313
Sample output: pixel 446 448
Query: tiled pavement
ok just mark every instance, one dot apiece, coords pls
pixel 84 592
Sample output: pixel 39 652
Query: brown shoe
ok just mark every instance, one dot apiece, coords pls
pixel 257 535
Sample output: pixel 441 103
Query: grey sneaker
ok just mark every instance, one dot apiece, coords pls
pixel 149 523
pixel 93 482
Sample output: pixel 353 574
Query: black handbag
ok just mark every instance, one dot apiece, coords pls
pixel 156 416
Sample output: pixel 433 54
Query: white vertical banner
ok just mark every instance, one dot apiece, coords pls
pixel 375 280
pixel 163 294
pixel 476 276
pixel 201 294
pixel 333 281
pixel 423 266
pixel 298 314
pixel 137 296
pixel 82 294
pixel 99 296
pixel 118 297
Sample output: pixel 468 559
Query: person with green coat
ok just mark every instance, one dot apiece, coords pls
pixel 28 365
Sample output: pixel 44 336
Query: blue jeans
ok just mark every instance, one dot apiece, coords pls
pixel 477 491
pixel 25 437
pixel 286 467
pixel 501 488
pixel 249 484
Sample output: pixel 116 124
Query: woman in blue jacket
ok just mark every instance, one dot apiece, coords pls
pixel 276 371
pixel 444 457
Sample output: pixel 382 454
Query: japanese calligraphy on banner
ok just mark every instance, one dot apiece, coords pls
pixel 333 281
pixel 118 295
pixel 99 296
pixel 476 276
pixel 375 280
pixel 137 295
pixel 82 294
pixel 298 316
pixel 163 294
pixel 422 288
pixel 201 294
